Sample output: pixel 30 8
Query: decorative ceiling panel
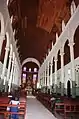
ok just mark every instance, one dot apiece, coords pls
pixel 36 23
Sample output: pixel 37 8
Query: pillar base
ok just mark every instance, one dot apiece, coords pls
pixel 50 89
pixel 44 89
pixel 55 88
pixel 6 87
pixel 62 89
pixel 73 89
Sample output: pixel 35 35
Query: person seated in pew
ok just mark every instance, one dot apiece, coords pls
pixel 53 99
pixel 10 95
pixel 14 101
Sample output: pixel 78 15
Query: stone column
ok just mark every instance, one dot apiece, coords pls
pixel 2 37
pixel 39 78
pixel 11 75
pixel 48 75
pixel 5 62
pixel 71 44
pixel 45 75
pixel 43 79
pixel 40 83
pixel 51 68
pixel 17 75
pixel 62 72
pixel 48 86
pixel 14 71
pixel 55 86
pixel 9 65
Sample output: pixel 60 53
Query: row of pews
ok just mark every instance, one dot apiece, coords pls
pixel 45 99
pixel 4 103
pixel 69 107
pixel 63 105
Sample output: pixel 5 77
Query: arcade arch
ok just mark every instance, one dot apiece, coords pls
pixel 67 53
pixel 76 41
pixel 31 60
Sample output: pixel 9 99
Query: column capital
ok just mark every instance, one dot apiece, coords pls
pixel 55 60
pixel 51 64
pixel 2 37
pixel 62 53
pixel 71 44
pixel 10 56
pixel 13 62
pixel 7 48
pixel 48 66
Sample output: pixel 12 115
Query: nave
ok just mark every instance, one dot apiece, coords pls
pixel 40 58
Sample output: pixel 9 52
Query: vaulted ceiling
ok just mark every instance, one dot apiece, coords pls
pixel 36 23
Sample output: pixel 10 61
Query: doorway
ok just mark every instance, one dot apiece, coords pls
pixel 68 88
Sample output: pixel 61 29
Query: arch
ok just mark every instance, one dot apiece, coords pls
pixel 76 41
pixel 75 27
pixel 31 60
pixel 53 66
pixel 2 23
pixel 67 53
pixel 4 45
pixel 7 37
pixel 59 60
pixel 3 50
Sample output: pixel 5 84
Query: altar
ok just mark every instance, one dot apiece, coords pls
pixel 29 88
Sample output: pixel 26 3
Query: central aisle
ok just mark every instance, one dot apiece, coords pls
pixel 35 110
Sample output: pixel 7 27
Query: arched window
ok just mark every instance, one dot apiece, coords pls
pixel 29 69
pixel 24 78
pixel 24 68
pixel 35 69
pixel 34 78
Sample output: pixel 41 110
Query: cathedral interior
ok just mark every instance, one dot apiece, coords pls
pixel 39 43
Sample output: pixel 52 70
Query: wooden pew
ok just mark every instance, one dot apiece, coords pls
pixel 3 107
pixel 67 108
pixel 71 108
pixel 59 107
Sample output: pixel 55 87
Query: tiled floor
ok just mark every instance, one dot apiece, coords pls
pixel 35 110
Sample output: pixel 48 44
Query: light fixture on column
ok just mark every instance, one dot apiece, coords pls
pixel 18 48
pixel 52 44
pixel 25 22
pixel 16 41
pixel 56 36
pixel 7 2
pixel 14 32
pixel 69 71
pixel 11 19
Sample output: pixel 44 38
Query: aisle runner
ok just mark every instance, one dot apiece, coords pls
pixel 35 110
